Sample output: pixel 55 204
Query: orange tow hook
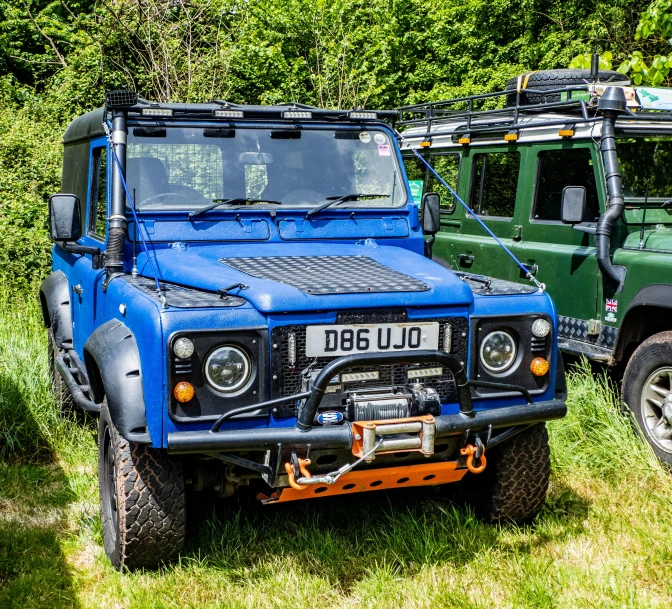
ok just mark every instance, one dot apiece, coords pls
pixel 470 451
pixel 303 468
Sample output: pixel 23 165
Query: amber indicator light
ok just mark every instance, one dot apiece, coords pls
pixel 539 366
pixel 183 391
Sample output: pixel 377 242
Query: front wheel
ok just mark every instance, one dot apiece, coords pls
pixel 647 392
pixel 514 484
pixel 141 498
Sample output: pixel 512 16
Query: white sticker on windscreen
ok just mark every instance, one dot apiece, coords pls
pixel 383 150
pixel 365 137
pixel 380 138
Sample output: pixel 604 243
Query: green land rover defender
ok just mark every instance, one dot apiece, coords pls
pixel 574 175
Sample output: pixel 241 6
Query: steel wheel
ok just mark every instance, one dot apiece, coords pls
pixel 109 487
pixel 656 407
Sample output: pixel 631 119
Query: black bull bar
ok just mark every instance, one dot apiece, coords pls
pixel 340 436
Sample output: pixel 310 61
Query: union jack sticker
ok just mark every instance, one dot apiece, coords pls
pixel 612 305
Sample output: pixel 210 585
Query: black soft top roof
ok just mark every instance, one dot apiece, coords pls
pixel 87 126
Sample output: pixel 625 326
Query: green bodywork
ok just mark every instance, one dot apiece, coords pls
pixel 564 258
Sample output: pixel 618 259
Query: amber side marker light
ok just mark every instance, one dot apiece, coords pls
pixel 183 391
pixel 539 366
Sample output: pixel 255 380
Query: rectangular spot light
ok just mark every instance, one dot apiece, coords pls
pixel 362 115
pixel 421 373
pixel 297 114
pixel 370 375
pixel 228 113
pixel 156 112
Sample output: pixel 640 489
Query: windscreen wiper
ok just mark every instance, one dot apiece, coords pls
pixel 336 200
pixel 219 202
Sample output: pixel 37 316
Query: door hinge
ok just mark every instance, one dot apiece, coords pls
pixel 517 232
pixel 594 327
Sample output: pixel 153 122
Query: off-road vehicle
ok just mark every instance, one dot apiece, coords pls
pixel 241 293
pixel 574 176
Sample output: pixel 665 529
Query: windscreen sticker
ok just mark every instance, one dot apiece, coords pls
pixel 365 137
pixel 383 150
pixel 416 190
pixel 380 138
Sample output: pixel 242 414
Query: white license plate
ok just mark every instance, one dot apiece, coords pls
pixel 371 338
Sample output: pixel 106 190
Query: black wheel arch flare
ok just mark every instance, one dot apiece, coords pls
pixel 112 361
pixel 638 317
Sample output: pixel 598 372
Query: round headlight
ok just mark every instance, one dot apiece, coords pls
pixel 498 351
pixel 228 368
pixel 541 328
pixel 183 348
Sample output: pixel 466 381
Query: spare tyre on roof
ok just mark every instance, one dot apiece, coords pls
pixel 548 80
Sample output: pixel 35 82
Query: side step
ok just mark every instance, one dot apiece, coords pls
pixel 75 390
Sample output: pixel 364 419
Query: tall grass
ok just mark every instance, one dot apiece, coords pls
pixel 596 437
pixel 31 429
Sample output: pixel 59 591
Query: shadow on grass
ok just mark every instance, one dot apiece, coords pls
pixel 33 569
pixel 342 539
pixel 34 492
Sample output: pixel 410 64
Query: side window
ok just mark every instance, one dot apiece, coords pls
pixel 448 167
pixel 98 194
pixel 494 183
pixel 557 169
pixel 416 172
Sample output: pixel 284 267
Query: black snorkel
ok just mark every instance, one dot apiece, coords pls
pixel 611 104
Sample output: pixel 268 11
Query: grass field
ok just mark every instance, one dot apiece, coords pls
pixel 603 540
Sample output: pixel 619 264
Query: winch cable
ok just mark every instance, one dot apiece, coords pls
pixel 522 267
pixel 108 132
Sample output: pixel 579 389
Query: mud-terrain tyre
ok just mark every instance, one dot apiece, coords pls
pixel 514 484
pixel 60 390
pixel 142 500
pixel 555 79
pixel 647 392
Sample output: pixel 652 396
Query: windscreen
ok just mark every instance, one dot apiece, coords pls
pixel 645 163
pixel 189 168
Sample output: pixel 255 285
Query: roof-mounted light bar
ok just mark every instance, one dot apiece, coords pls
pixel 156 112
pixel 360 115
pixel 297 114
pixel 228 113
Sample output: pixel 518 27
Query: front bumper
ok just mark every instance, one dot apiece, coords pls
pixel 342 436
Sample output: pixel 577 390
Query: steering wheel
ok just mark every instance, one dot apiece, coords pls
pixel 161 194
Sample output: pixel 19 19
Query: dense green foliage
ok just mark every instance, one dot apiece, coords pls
pixel 58 58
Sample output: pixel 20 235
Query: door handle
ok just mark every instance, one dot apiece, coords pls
pixel 466 259
pixel 78 289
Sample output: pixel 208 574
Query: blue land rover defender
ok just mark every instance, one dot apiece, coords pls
pixel 244 296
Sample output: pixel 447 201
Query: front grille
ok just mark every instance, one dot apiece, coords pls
pixel 286 379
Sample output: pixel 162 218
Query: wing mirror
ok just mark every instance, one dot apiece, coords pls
pixel 573 204
pixel 431 213
pixel 64 218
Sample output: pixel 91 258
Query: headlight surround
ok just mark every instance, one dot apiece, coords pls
pixel 498 351
pixel 228 368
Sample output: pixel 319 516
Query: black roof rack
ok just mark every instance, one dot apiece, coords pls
pixel 471 114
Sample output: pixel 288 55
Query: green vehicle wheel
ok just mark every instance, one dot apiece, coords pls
pixel 647 392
